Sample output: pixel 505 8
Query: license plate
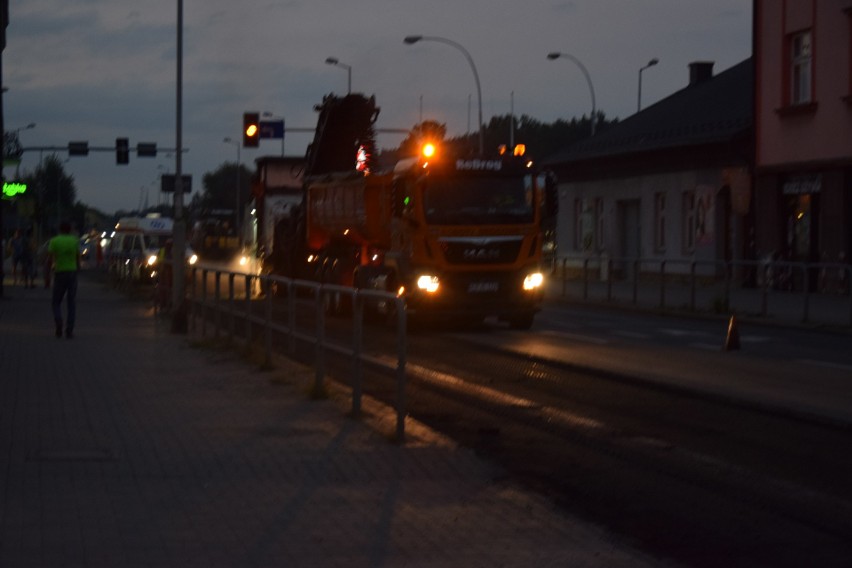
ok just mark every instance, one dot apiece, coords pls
pixel 480 287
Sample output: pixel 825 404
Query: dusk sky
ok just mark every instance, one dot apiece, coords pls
pixel 96 70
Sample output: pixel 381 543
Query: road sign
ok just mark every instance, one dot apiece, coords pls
pixel 167 183
pixel 272 128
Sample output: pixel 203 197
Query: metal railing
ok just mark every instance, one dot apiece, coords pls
pixel 226 311
pixel 783 290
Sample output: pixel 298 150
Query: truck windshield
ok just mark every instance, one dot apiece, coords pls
pixel 478 200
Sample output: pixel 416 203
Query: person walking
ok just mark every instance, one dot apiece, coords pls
pixel 28 252
pixel 64 249
pixel 16 247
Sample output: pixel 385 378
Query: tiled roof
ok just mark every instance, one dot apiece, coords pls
pixel 717 109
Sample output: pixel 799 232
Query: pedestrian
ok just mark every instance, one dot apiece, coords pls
pixel 64 249
pixel 28 253
pixel 16 245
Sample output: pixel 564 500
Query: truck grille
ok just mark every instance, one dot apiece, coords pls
pixel 481 250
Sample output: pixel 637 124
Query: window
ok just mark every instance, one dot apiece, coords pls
pixel 660 222
pixel 688 215
pixel 800 70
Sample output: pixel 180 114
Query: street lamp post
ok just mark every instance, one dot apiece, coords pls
pixel 557 55
pixel 237 210
pixel 651 63
pixel 334 61
pixel 410 40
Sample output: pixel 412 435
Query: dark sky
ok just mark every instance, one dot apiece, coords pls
pixel 100 69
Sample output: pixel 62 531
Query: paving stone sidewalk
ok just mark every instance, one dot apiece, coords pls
pixel 130 446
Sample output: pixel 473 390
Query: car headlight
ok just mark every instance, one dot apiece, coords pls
pixel 428 283
pixel 193 259
pixel 533 281
pixel 152 260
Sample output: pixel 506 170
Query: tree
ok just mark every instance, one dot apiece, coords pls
pixel 220 188
pixel 542 140
pixel 426 130
pixel 54 192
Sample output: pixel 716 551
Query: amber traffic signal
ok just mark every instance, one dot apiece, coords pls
pixel 251 129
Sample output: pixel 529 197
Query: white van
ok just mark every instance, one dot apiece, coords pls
pixel 135 245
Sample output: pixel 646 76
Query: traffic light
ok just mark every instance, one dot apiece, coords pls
pixel 122 151
pixel 251 129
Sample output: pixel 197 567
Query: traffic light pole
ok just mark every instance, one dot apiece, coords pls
pixel 179 317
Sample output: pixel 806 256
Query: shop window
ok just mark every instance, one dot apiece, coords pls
pixel 660 222
pixel 688 222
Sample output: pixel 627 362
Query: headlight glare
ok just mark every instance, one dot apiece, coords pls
pixel 428 283
pixel 533 281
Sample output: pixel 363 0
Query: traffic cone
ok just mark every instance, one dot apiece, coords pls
pixel 732 341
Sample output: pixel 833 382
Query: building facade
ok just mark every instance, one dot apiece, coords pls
pixel 803 124
pixel 670 183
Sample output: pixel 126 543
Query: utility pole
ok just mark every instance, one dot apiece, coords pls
pixel 179 245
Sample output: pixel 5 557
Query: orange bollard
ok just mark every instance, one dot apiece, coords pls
pixel 732 340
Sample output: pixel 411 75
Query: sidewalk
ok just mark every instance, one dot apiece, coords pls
pixel 130 446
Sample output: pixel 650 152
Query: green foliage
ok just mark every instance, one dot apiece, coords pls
pixel 219 188
pixel 55 193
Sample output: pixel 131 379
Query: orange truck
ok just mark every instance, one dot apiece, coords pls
pixel 458 238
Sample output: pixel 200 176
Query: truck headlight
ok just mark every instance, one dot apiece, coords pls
pixel 428 283
pixel 533 281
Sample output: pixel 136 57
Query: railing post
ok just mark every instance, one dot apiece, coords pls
pixel 806 288
pixel 192 304
pixel 663 284
pixel 291 315
pixel 268 319
pixel 248 309
pixel 231 307
pixel 400 369
pixel 357 340
pixel 204 274
pixel 319 354
pixel 216 303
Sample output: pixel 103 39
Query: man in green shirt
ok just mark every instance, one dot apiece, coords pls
pixel 64 249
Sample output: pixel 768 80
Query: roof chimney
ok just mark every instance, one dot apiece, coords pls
pixel 700 71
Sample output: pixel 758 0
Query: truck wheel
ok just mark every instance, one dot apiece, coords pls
pixel 522 321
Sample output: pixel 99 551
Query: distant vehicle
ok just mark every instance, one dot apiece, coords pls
pixel 134 247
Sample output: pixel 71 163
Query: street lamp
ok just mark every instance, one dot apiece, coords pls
pixel 228 140
pixel 335 62
pixel 410 40
pixel 651 63
pixel 557 55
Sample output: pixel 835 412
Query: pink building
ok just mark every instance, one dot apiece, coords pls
pixel 803 129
